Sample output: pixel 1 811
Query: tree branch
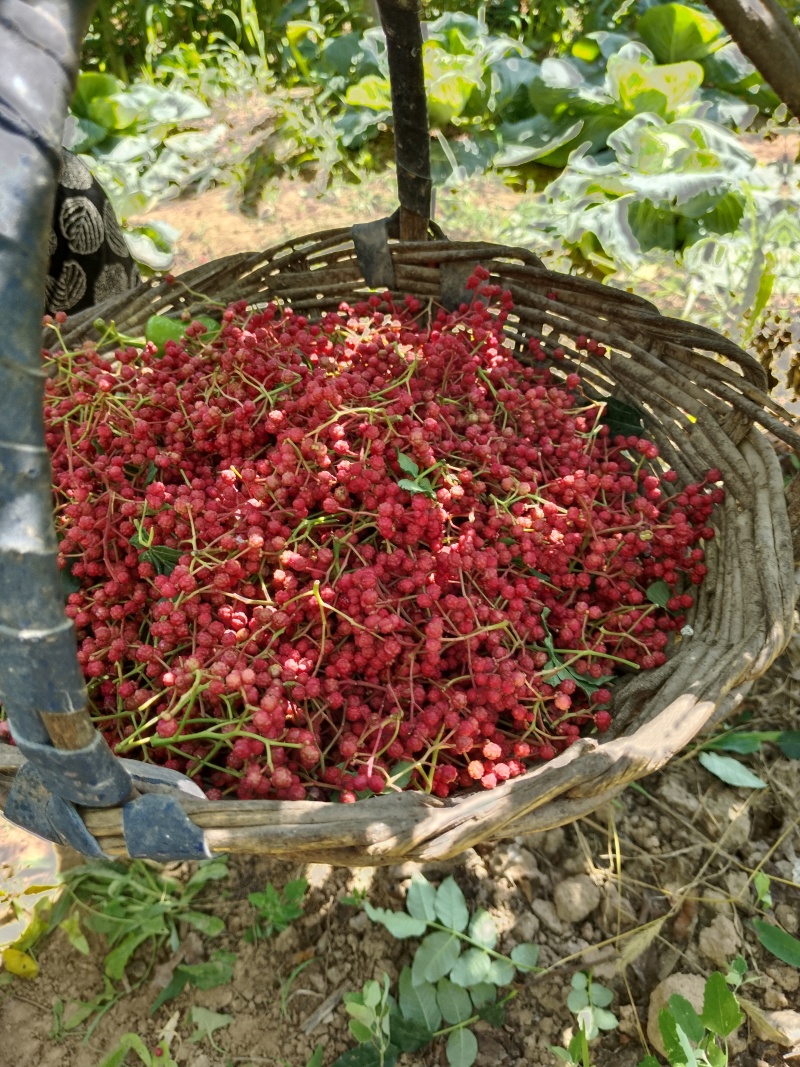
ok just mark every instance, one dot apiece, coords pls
pixel 769 39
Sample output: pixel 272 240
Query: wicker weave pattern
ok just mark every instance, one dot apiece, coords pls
pixel 702 397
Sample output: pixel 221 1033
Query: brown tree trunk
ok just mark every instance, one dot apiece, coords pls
pixel 769 39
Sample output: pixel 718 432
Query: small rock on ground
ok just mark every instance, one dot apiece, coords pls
pixel 719 941
pixel 575 898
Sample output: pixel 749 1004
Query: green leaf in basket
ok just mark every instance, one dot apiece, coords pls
pixel 407 465
pixel 658 593
pixel 162 328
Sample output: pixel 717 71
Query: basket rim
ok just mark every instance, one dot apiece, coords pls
pixel 413 825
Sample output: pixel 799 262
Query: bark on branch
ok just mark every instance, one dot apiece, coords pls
pixel 769 39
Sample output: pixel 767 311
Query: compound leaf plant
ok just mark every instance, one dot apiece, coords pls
pixel 454 980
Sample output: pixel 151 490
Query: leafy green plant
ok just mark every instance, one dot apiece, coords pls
pixel 692 1040
pixel 453 980
pixel 217 971
pixel 137 911
pixel 276 909
pixel 136 142
pixel 733 771
pixel 589 1002
pixel 417 481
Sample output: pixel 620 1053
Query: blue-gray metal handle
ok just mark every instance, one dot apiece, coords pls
pixel 41 685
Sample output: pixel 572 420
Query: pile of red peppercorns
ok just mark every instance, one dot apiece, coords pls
pixel 318 559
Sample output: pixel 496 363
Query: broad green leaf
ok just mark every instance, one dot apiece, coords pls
pixel 435 957
pixel 577 1000
pixel 398 923
pixel 450 82
pixel 462 1048
pixel 778 942
pixel 654 226
pixel 372 92
pixel 731 771
pixel 407 464
pixel 421 898
pixel 586 49
pixel 410 487
pixel 483 993
pixel 418 1002
pixel 639 85
pixel 91 85
pixel 127 1043
pixel 454 1002
pixel 72 928
pixel 525 956
pixel 117 960
pixel 407 1034
pixel 560 88
pixel 210 870
pixel 717 1057
pixel 500 972
pixel 687 1018
pixel 168 106
pixel 210 925
pixel 483 929
pixel 761 884
pixel 721 1012
pixel 676 32
pixel 471 967
pixel 451 907
pixel 371 994
pixel 605 1020
pixel 116 113
pixel 494 1014
pixel 593 135
pixel 215 972
pixel 360 1032
pixel 401 774
pixel 676 1044
pixel 658 593
pixel 207 1022
pixel 534 138
pixel 789 743
pixel 511 77
pixel 580 980
pixel 742 743
pixel 600 995
pixel 173 989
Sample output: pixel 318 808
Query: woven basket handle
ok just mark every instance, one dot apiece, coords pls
pixel 400 19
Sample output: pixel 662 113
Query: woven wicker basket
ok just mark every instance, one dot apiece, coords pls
pixel 701 397
pixel 702 400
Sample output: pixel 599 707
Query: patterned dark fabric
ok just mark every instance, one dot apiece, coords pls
pixel 89 260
